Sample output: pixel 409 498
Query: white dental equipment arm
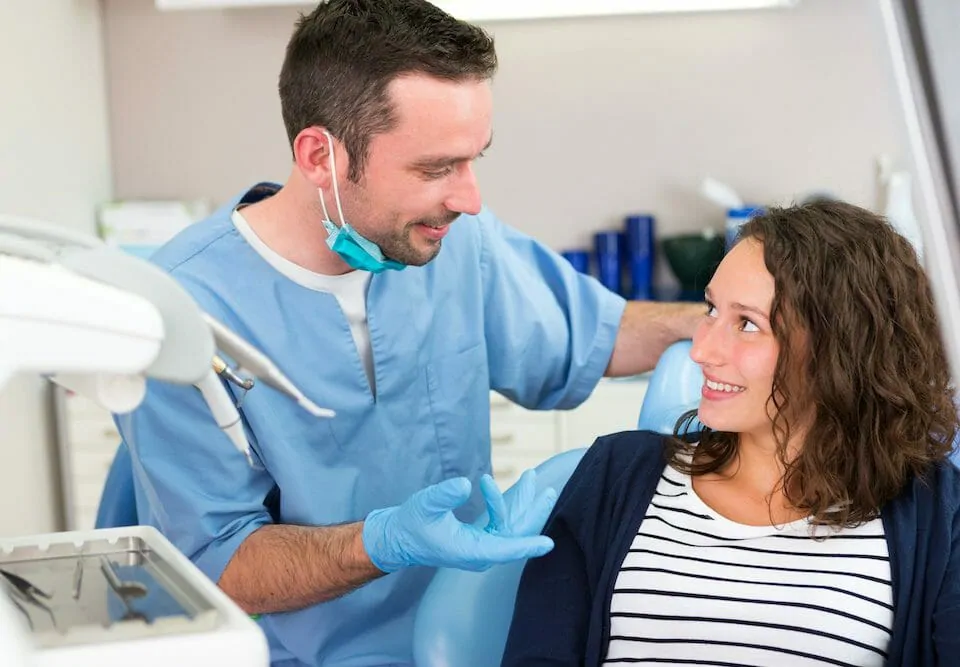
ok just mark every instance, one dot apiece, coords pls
pixel 100 322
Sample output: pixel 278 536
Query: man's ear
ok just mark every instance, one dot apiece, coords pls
pixel 311 152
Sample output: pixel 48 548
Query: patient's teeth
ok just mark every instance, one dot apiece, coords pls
pixel 720 386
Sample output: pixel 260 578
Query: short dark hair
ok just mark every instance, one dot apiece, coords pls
pixel 854 316
pixel 344 54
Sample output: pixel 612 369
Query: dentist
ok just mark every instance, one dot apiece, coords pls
pixel 339 277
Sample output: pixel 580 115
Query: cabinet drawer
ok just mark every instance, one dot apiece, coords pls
pixel 534 437
pixel 81 407
pixel 86 518
pixel 87 464
pixel 506 411
pixel 507 468
pixel 87 456
pixel 92 431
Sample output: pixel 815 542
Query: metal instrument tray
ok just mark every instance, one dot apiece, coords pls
pixel 168 603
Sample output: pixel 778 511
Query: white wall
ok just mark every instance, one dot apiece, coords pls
pixel 54 165
pixel 595 118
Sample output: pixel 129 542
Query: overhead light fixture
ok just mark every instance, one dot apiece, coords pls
pixel 508 10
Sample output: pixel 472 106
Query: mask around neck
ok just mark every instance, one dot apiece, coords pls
pixel 352 247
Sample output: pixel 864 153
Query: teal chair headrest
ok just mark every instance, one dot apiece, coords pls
pixel 673 390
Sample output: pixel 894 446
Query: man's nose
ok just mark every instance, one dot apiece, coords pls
pixel 465 197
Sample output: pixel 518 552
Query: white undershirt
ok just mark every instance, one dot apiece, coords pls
pixel 696 588
pixel 350 290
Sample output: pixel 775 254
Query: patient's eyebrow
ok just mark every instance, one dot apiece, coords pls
pixel 736 305
pixel 439 161
pixel 750 309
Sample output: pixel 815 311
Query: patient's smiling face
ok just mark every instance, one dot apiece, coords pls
pixel 735 346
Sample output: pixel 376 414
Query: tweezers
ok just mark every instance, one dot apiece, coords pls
pixel 29 593
pixel 25 588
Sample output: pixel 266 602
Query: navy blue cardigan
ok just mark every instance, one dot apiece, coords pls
pixel 562 614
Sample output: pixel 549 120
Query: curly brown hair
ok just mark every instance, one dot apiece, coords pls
pixel 859 340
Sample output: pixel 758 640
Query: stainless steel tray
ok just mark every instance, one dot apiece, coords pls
pixel 170 604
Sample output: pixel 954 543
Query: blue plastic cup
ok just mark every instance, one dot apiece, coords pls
pixel 607 250
pixel 640 254
pixel 579 259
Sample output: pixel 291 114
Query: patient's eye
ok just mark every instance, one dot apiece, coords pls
pixel 711 310
pixel 748 326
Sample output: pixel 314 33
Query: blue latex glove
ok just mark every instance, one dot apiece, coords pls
pixel 424 531
pixel 519 512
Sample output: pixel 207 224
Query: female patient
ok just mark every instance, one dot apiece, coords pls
pixel 810 517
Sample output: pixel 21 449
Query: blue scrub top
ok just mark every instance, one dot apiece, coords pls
pixel 495 310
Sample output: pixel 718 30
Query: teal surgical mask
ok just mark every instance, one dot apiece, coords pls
pixel 359 252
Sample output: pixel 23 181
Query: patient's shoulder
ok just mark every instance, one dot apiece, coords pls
pixel 627 451
pixel 617 472
pixel 943 483
pixel 930 501
pixel 639 443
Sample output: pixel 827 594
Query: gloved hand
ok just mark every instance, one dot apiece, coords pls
pixel 518 512
pixel 424 531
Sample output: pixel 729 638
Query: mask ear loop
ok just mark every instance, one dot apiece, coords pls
pixel 336 187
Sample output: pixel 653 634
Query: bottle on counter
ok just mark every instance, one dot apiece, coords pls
pixel 639 254
pixel 579 259
pixel 606 247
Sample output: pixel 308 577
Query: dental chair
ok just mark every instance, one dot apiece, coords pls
pixel 464 617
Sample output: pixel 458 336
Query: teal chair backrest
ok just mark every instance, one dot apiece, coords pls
pixel 464 617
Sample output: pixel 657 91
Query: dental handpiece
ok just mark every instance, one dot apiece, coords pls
pixel 224 412
pixel 261 367
pixel 222 369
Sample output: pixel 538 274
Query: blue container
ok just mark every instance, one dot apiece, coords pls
pixel 579 259
pixel 735 218
pixel 639 254
pixel 606 247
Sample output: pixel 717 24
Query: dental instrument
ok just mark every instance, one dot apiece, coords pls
pixel 28 592
pixel 257 364
pixel 221 368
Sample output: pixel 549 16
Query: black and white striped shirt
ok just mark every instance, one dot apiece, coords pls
pixel 698 589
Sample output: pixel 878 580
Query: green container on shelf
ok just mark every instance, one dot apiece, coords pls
pixel 693 258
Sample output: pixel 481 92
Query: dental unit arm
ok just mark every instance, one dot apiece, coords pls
pixel 100 322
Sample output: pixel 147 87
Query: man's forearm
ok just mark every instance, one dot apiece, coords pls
pixel 284 568
pixel 646 329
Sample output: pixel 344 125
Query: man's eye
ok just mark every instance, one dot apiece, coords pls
pixel 439 173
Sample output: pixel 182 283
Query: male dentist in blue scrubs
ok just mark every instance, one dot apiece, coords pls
pixel 377 280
